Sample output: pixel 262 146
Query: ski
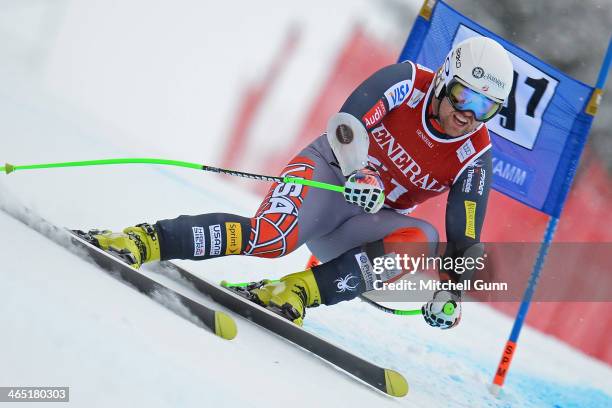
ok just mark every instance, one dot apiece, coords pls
pixel 386 380
pixel 218 322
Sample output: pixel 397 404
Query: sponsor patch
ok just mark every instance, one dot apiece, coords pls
pixel 465 151
pixel 470 219
pixel 481 182
pixel 375 114
pixel 398 93
pixel 494 80
pixel 233 234
pixel 417 96
pixel 389 274
pixel 367 271
pixel 424 138
pixel 467 183
pixel 199 246
pixel 216 240
pixel 458 58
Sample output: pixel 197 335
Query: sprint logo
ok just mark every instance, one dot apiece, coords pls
pixel 470 219
pixel 233 232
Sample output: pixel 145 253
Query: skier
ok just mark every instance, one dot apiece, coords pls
pixel 404 135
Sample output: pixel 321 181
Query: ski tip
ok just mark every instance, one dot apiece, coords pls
pixel 9 168
pixel 225 326
pixel 396 383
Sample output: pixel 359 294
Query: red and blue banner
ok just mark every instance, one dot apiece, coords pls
pixel 539 134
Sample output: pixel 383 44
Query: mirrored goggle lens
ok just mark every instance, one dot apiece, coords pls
pixel 465 99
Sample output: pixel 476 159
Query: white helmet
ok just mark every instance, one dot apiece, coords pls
pixel 482 65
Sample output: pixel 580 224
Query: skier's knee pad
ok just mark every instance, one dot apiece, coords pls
pixel 415 241
pixel 203 236
pixel 413 234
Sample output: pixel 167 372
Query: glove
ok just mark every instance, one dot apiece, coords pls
pixel 444 310
pixel 365 189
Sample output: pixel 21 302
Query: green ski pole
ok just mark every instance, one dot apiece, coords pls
pixel 10 168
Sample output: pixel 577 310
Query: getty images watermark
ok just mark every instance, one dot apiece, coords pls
pixel 393 265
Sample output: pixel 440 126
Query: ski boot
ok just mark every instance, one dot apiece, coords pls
pixel 289 297
pixel 135 245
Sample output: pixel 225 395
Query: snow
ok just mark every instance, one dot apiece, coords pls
pixel 70 324
pixel 100 89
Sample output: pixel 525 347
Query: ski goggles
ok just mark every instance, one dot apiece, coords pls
pixel 464 98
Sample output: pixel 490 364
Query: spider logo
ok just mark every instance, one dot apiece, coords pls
pixel 344 284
